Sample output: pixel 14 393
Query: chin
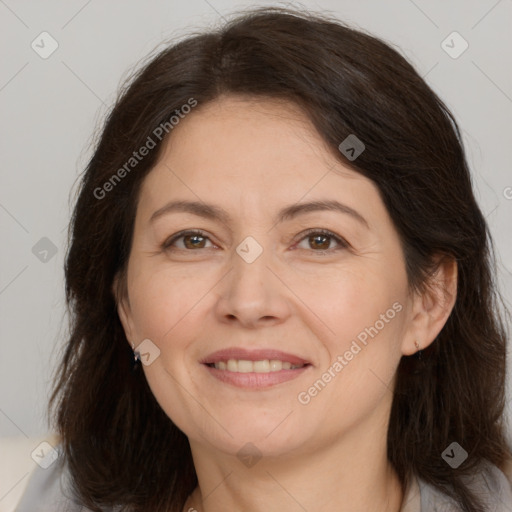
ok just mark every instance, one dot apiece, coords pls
pixel 262 439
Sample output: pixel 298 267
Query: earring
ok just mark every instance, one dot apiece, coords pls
pixel 136 359
pixel 419 351
pixel 420 364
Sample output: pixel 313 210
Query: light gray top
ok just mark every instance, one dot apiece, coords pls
pixel 49 491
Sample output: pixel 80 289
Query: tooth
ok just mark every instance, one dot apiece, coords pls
pixel 262 366
pixel 245 366
pixel 275 365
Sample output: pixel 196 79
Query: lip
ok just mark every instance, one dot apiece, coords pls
pixel 253 380
pixel 253 355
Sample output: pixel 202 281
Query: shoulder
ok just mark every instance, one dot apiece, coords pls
pixel 48 487
pixel 491 483
pixel 21 459
pixel 506 469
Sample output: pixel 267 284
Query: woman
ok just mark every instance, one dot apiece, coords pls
pixel 281 289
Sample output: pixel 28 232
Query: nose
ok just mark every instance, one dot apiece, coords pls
pixel 252 293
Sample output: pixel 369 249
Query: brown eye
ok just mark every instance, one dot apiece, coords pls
pixel 321 239
pixel 191 240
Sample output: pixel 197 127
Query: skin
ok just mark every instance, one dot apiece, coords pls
pixel 253 157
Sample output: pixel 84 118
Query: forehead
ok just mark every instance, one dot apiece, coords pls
pixel 253 144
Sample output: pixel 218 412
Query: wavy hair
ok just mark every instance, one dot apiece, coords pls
pixel 120 446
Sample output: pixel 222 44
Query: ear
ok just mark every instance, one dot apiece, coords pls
pixel 120 293
pixel 432 307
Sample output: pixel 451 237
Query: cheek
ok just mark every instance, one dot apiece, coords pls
pixel 367 314
pixel 356 302
pixel 363 315
pixel 162 301
pixel 356 380
pixel 168 308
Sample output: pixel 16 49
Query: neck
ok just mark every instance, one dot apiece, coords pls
pixel 351 475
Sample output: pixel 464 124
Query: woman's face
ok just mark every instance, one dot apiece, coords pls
pixel 256 286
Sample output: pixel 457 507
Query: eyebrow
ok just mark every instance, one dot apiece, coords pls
pixel 216 213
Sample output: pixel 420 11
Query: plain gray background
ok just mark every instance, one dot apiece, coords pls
pixel 52 106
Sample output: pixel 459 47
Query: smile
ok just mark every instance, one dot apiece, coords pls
pixel 255 368
pixel 246 366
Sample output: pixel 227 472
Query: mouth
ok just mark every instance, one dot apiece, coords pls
pixel 254 369
pixel 261 366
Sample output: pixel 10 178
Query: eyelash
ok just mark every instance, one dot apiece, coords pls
pixel 343 244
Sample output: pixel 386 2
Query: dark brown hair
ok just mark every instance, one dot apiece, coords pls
pixel 120 446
